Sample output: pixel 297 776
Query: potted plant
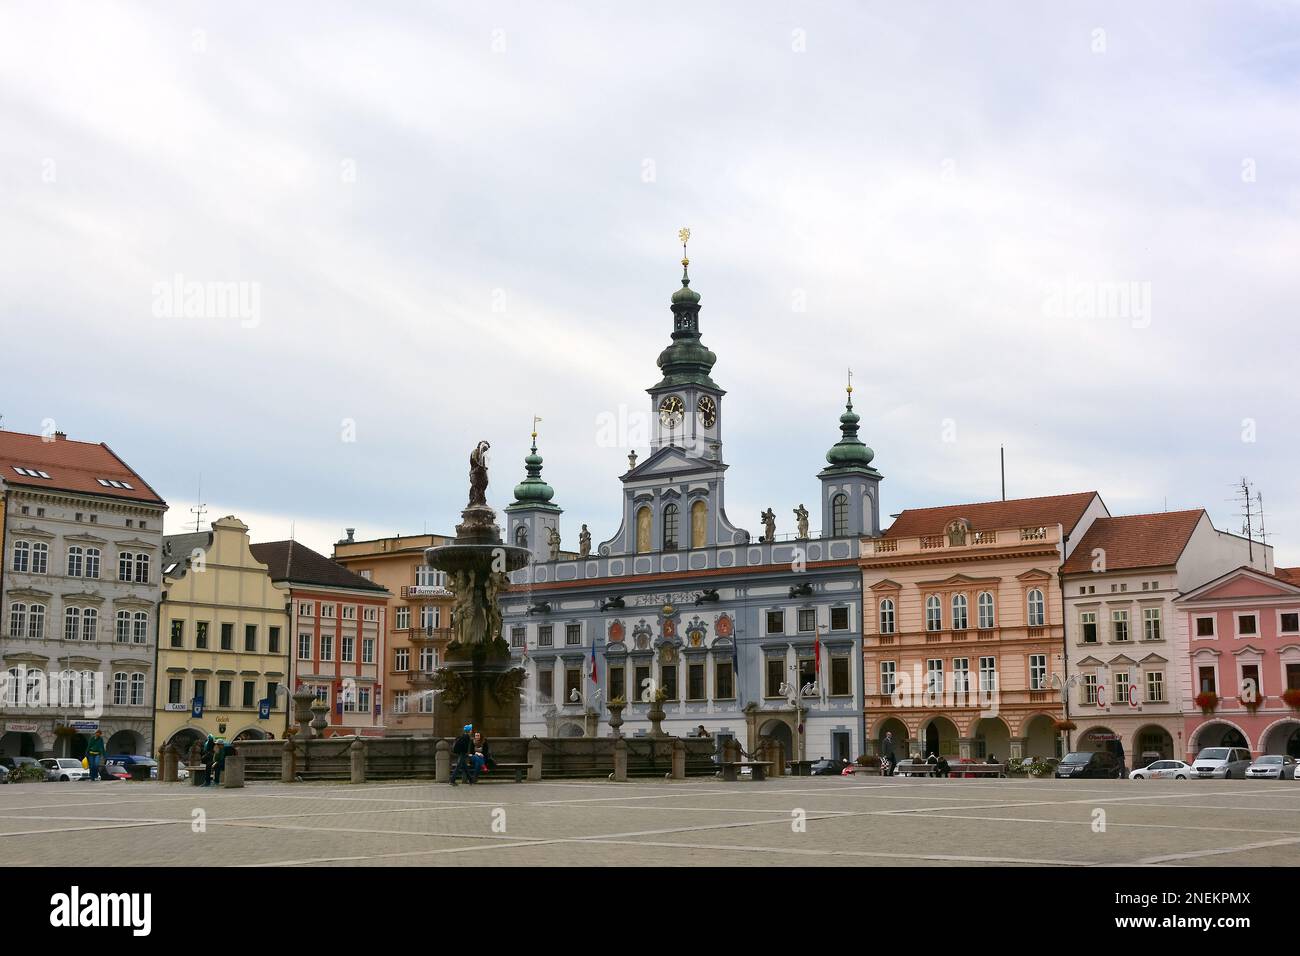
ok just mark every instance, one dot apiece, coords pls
pixel 1251 703
pixel 1207 700
pixel 1291 696
pixel 656 712
pixel 1064 725
pixel 616 706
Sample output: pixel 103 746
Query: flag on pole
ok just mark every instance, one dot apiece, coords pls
pixel 594 678
pixel 817 655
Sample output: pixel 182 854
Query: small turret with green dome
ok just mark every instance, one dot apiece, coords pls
pixel 532 515
pixel 850 485
pixel 850 453
pixel 687 361
pixel 533 490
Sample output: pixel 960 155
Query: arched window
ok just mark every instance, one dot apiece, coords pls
pixel 521 536
pixel 40 558
pixel 140 629
pixel 119 688
pixel 137 688
pixel 36 620
pixel 75 555
pixel 35 687
pixel 670 527
pixel 125 561
pixel 1037 613
pixel 959 620
pixel 887 616
pixel 840 515
pixel 986 609
pixel 123 633
pixel 89 624
pixel 17 619
pixel 699 524
pixel 643 524
pixel 72 623
pixel 933 613
pixel 22 556
pixel 12 686
pixel 141 568
pixel 92 562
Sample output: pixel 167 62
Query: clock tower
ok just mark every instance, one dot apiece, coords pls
pixel 686 404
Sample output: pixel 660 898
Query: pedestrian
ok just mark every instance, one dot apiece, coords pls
pixel 206 756
pixel 218 762
pixel 95 754
pixel 941 768
pixel 483 761
pixel 701 732
pixel 889 759
pixel 463 751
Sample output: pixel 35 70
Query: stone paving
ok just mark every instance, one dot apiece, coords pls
pixel 858 821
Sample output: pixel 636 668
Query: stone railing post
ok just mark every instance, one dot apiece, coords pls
pixel 169 761
pixel 358 754
pixel 441 762
pixel 679 759
pixel 620 760
pixel 233 775
pixel 730 755
pixel 286 761
pixel 535 759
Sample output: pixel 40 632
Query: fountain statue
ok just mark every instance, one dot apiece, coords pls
pixel 478 683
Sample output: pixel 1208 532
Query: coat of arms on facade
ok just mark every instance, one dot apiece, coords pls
pixel 641 635
pixel 616 631
pixel 670 628
pixel 723 626
pixel 695 631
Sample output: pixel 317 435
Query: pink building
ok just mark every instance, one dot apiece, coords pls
pixel 1244 630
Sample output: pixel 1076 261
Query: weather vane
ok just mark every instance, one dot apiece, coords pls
pixel 535 421
pixel 684 234
pixel 850 385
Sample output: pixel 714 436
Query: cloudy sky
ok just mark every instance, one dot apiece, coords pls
pixel 447 218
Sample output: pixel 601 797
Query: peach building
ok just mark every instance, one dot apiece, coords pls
pixel 963 633
pixel 419 622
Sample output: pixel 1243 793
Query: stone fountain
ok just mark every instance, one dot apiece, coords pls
pixel 478 683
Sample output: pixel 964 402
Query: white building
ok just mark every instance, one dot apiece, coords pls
pixel 81 535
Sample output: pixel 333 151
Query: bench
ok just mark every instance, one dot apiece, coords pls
pixel 503 767
pixel 978 770
pixel 731 769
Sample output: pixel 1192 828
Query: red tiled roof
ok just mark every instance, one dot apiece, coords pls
pixel 296 563
pixel 1065 510
pixel 74 466
pixel 1289 575
pixel 1135 541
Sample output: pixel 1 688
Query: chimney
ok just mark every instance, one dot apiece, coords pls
pixel 60 436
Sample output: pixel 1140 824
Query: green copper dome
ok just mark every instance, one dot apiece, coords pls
pixel 849 451
pixel 533 490
pixel 687 361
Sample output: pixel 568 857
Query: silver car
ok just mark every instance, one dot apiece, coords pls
pixel 64 768
pixel 1272 767
pixel 1222 763
pixel 1164 770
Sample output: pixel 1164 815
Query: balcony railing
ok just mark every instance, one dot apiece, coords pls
pixel 431 634
pixel 954 540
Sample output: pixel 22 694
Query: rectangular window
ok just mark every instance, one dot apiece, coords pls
pixel 960 675
pixel 1088 692
pixel 1246 625
pixel 1155 687
pixel 641 681
pixel 517 636
pixel 723 681
pixel 399 701
pixel 272 690
pixel 175 688
pixel 888 673
pixel 1293 676
pixel 201 690
pixel 695 682
pixel 839 619
pixel 92 562
pixel 1205 677
pixel 1151 624
pixel 201 635
pixel 428 659
pixel 1205 627
pixel 304 647
pixel 616 679
pixel 544 638
pixel 367 650
pixel 305 609
pixel 178 633
pixel 546 684
pixel 807 619
pixel 988 674
pixel 250 638
pixel 572 634
pixel 430 618
pixel 348 648
pixel 363 699
pixel 807 670
pixel 250 689
pixel 403 618
pixel 273 640
pixel 572 682
pixel 839 677
pixel 1119 626
pixel 223 693
pixel 1038 672
pixel 327 647
pixel 1088 625
pixel 349 612
pixel 934 676
pixel 1250 682
pixel 426 703
pixel 402 659
pixel 668 681
pixel 1289 622
pixel 775 676
pixel 227 637
pixel 776 622
pixel 1120 688
pixel 327 610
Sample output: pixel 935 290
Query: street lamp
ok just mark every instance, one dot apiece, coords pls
pixel 1063 685
pixel 794 695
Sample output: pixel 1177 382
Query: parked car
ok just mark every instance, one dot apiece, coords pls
pixel 1222 763
pixel 1164 770
pixel 1272 767
pixel 113 770
pixel 827 767
pixel 12 764
pixel 63 769
pixel 136 760
pixel 1089 764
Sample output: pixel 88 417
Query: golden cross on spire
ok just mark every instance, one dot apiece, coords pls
pixel 684 234
pixel 535 421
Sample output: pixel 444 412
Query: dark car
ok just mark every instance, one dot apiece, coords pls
pixel 1089 764
pixel 827 767
pixel 136 760
pixel 111 769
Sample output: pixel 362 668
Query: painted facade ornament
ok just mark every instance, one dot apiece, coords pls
pixel 616 632
pixel 695 632
pixel 641 635
pixel 723 626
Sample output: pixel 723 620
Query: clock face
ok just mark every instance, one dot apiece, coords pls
pixel 671 411
pixel 708 410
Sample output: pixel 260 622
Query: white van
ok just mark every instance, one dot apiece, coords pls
pixel 1222 763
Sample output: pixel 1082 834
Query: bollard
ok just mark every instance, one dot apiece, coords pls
pixel 679 759
pixel 442 762
pixel 535 759
pixel 233 775
pixel 620 760
pixel 730 755
pixel 170 757
pixel 358 754
pixel 286 761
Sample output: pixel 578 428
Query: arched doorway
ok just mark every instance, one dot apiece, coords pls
pixel 992 739
pixel 184 740
pixel 892 725
pixel 779 731
pixel 570 730
pixel 1101 739
pixel 1041 737
pixel 125 742
pixel 1282 738
pixel 251 733
pixel 940 737
pixel 1217 733
pixel 17 743
pixel 1152 742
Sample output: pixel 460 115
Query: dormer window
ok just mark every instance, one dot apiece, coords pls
pixel 31 472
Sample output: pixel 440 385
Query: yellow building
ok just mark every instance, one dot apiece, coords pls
pixel 223 642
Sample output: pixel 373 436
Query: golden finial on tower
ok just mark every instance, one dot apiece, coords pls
pixel 535 421
pixel 684 234
pixel 849 387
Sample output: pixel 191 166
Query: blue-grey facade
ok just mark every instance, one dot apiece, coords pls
pixel 728 624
